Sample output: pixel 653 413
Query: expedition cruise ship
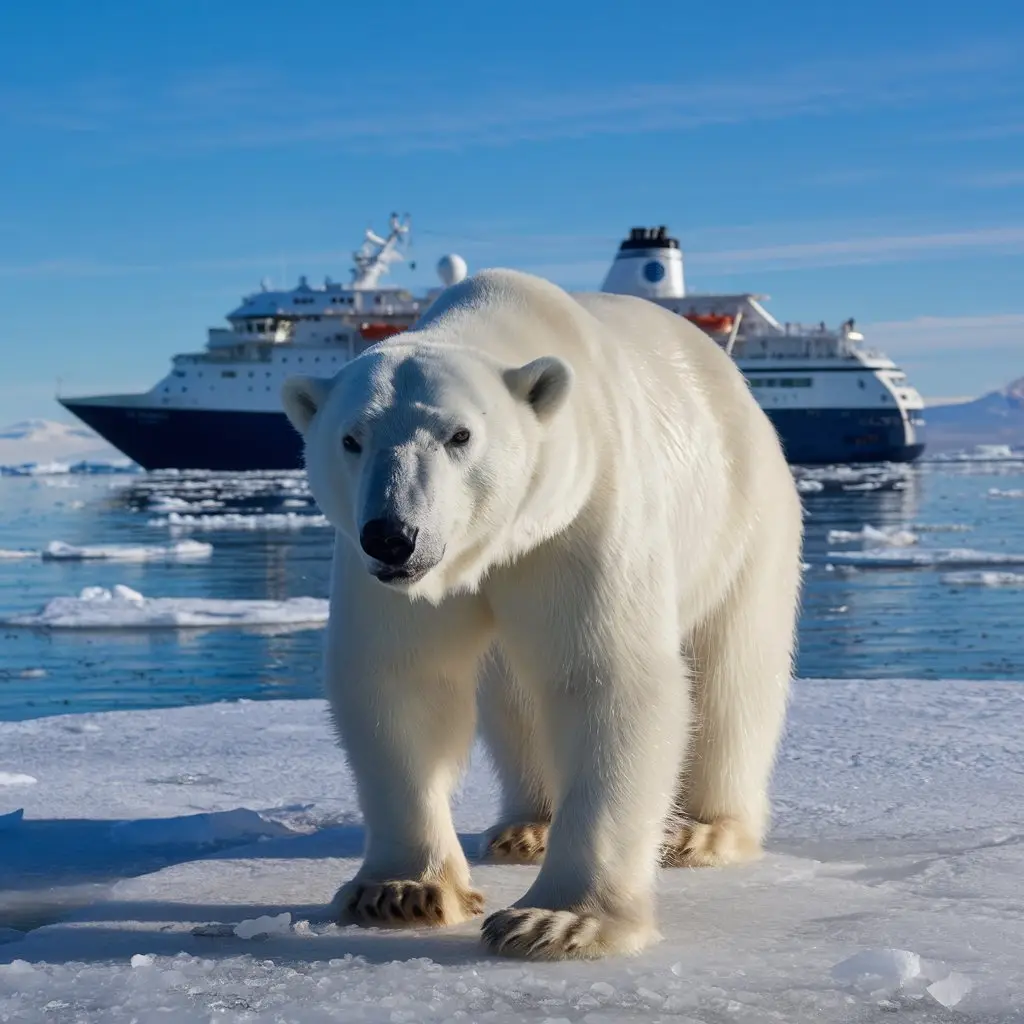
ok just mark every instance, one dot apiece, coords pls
pixel 831 399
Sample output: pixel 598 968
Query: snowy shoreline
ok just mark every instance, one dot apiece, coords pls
pixel 899 808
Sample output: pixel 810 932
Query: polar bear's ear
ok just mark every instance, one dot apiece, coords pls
pixel 301 397
pixel 544 384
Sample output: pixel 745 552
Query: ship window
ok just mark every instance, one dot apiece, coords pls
pixel 228 373
pixel 179 373
pixel 795 382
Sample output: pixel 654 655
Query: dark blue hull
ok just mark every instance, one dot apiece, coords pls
pixel 838 436
pixel 219 440
pixel 195 438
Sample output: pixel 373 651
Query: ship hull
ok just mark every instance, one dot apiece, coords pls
pixel 228 440
pixel 212 439
pixel 841 436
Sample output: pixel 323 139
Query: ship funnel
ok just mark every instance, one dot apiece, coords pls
pixel 649 264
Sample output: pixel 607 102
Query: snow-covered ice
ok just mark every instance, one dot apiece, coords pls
pixel 171 503
pixel 880 558
pixel 1000 492
pixel 868 477
pixel 873 536
pixel 180 551
pixel 891 882
pixel 185 522
pixel 124 608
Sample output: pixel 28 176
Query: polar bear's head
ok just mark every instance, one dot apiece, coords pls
pixel 423 454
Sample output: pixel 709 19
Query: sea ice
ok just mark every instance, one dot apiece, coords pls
pixel 277 924
pixel 124 608
pixel 180 551
pixel 16 779
pixel 874 537
pixel 240 521
pixel 922 559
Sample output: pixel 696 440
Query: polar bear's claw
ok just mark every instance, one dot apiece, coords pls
pixel 544 934
pixel 522 843
pixel 406 904
pixel 697 844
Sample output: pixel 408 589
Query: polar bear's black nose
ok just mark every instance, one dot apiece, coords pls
pixel 389 541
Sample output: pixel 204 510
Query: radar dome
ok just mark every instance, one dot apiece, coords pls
pixel 451 269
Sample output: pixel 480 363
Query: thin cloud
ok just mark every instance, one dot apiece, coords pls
pixel 876 249
pixel 924 334
pixel 246 108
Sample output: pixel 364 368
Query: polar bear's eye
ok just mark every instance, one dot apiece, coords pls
pixel 350 444
pixel 460 437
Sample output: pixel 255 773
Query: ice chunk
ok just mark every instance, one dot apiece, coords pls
pixel 922 559
pixel 16 779
pixel 874 537
pixel 240 521
pixel 950 990
pixel 142 960
pixel 875 970
pixel 182 550
pixel 277 924
pixel 172 503
pixel 124 608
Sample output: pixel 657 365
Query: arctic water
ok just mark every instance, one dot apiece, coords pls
pixel 911 572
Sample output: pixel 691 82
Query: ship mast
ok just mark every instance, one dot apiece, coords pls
pixel 375 255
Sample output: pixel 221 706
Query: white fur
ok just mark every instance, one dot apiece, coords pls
pixel 615 554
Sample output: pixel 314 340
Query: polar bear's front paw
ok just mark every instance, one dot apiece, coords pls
pixel 405 904
pixel 543 934
pixel 522 843
pixel 536 934
pixel 697 844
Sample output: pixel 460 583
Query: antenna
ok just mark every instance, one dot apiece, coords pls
pixel 376 254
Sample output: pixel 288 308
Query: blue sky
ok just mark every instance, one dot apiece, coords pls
pixel 858 160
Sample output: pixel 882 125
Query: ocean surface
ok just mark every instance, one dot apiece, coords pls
pixel 912 572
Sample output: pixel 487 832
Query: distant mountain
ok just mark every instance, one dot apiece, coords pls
pixel 995 418
pixel 40 440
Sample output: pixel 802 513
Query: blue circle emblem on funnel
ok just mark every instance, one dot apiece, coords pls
pixel 654 271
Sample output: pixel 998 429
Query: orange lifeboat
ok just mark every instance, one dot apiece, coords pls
pixel 712 323
pixel 378 331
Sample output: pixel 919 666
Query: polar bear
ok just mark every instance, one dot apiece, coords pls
pixel 572 504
